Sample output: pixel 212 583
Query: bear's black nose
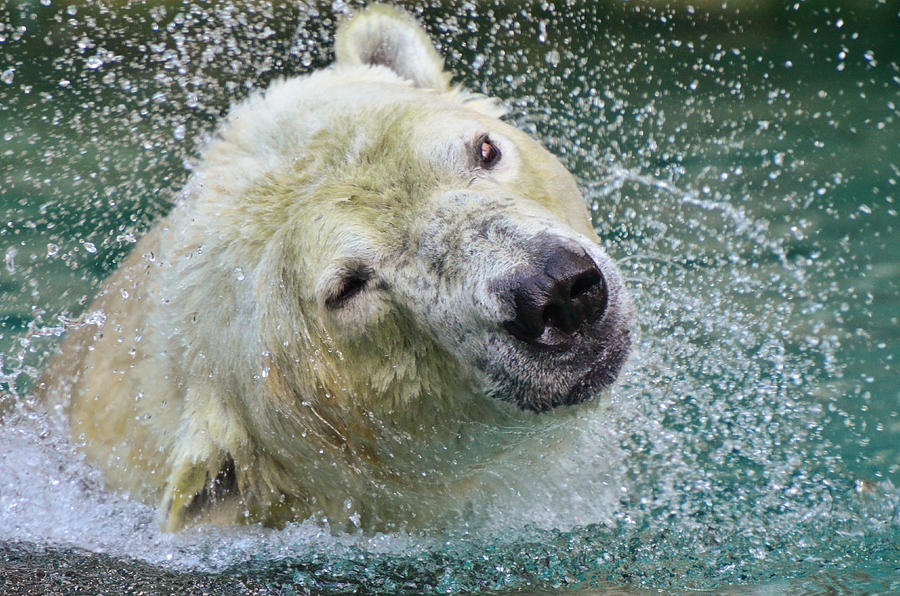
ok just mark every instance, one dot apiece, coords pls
pixel 562 293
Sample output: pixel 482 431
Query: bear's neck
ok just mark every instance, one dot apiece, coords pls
pixel 389 467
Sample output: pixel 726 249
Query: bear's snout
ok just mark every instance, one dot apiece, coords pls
pixel 564 327
pixel 556 298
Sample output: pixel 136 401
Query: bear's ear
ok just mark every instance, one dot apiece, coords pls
pixel 386 36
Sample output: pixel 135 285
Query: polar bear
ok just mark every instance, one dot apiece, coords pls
pixel 368 279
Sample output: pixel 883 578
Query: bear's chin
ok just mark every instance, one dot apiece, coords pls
pixel 533 382
pixel 601 375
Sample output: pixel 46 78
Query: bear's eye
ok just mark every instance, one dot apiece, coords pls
pixel 351 284
pixel 487 154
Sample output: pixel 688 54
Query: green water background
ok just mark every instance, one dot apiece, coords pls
pixel 788 114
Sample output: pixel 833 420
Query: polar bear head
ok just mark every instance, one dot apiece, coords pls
pixel 442 252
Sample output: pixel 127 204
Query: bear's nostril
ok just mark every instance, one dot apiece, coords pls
pixel 585 282
pixel 568 307
pixel 565 293
pixel 560 315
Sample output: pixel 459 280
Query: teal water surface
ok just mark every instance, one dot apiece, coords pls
pixel 743 167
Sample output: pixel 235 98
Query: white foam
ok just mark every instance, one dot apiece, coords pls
pixel 50 496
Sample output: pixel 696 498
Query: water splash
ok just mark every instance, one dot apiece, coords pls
pixel 17 364
pixel 752 206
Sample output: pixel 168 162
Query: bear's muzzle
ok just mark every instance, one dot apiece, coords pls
pixel 565 333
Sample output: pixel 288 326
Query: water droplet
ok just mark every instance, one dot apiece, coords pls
pixel 552 58
pixel 94 62
pixel 179 132
pixel 10 259
pixel 90 247
pixel 239 274
pixel 8 75
pixel 52 250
